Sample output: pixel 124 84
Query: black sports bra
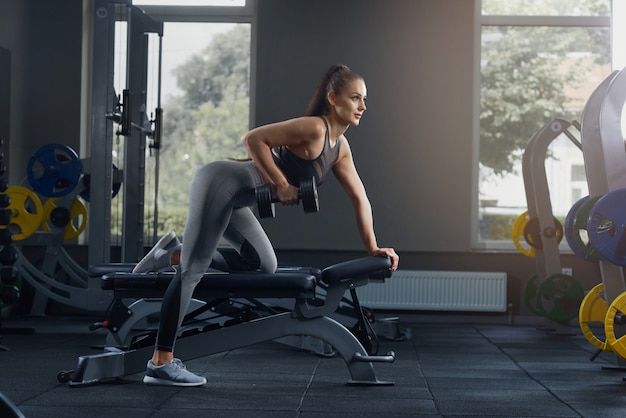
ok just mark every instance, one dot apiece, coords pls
pixel 296 168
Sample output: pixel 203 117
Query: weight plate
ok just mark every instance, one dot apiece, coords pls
pixel 517 233
pixel 265 206
pixel 576 229
pixel 592 312
pixel 560 296
pixel 77 218
pixel 86 180
pixel 308 195
pixel 534 235
pixel 530 295
pixel 26 212
pixel 54 170
pixel 605 226
pixel 615 337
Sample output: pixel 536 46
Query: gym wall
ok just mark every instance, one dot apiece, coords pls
pixel 44 38
pixel 413 148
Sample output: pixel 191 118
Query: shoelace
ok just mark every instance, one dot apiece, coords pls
pixel 179 364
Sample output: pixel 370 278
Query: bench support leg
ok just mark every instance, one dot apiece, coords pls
pixel 117 363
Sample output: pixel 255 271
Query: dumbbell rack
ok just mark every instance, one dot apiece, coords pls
pixel 545 240
pixel 77 291
pixel 49 166
pixel 9 277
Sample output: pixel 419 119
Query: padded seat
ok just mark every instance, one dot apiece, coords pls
pixel 110 268
pixel 372 268
pixel 295 284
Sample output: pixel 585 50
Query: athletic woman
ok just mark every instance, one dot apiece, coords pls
pixel 222 192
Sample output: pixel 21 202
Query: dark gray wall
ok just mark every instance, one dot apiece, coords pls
pixel 44 38
pixel 14 38
pixel 5 101
pixel 414 145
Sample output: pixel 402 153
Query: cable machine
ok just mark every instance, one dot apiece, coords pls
pixel 129 111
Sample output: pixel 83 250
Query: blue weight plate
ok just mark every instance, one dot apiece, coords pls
pixel 605 226
pixel 54 170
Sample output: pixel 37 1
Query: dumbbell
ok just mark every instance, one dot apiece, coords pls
pixel 307 194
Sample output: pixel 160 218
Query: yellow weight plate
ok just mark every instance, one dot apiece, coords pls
pixel 517 233
pixel 593 310
pixel 26 212
pixel 615 337
pixel 77 222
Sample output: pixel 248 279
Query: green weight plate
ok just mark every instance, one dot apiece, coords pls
pixel 560 296
pixel 530 295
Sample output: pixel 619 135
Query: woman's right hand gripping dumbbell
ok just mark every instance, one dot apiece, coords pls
pixel 288 195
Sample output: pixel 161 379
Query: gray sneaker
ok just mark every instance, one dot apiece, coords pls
pixel 173 373
pixel 159 256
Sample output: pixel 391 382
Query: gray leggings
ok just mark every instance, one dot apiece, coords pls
pixel 219 199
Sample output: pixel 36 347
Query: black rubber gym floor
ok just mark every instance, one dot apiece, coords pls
pixel 443 370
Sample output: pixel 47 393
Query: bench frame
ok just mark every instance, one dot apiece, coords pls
pixel 304 320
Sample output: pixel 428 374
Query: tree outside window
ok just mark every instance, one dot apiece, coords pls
pixel 540 60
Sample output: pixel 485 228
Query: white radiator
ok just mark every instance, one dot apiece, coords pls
pixel 438 291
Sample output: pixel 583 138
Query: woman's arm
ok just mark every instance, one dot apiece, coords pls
pixel 348 177
pixel 304 136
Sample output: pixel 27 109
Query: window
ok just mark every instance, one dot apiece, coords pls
pixel 539 60
pixel 206 102
pixel 578 173
pixel 205 97
pixel 228 3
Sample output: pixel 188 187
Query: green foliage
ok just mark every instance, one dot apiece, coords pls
pixel 224 62
pixel 525 74
pixel 206 122
pixel 497 227
pixel 171 218
pixel 546 7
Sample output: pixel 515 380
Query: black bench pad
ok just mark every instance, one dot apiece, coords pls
pixel 286 282
pixel 373 268
pixel 296 284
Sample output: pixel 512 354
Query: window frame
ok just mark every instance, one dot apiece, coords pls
pixel 217 14
pixel 507 20
pixel 211 14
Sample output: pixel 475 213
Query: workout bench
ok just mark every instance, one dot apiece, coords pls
pixel 309 317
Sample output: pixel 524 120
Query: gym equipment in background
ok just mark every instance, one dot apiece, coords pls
pixel 549 293
pixel 56 177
